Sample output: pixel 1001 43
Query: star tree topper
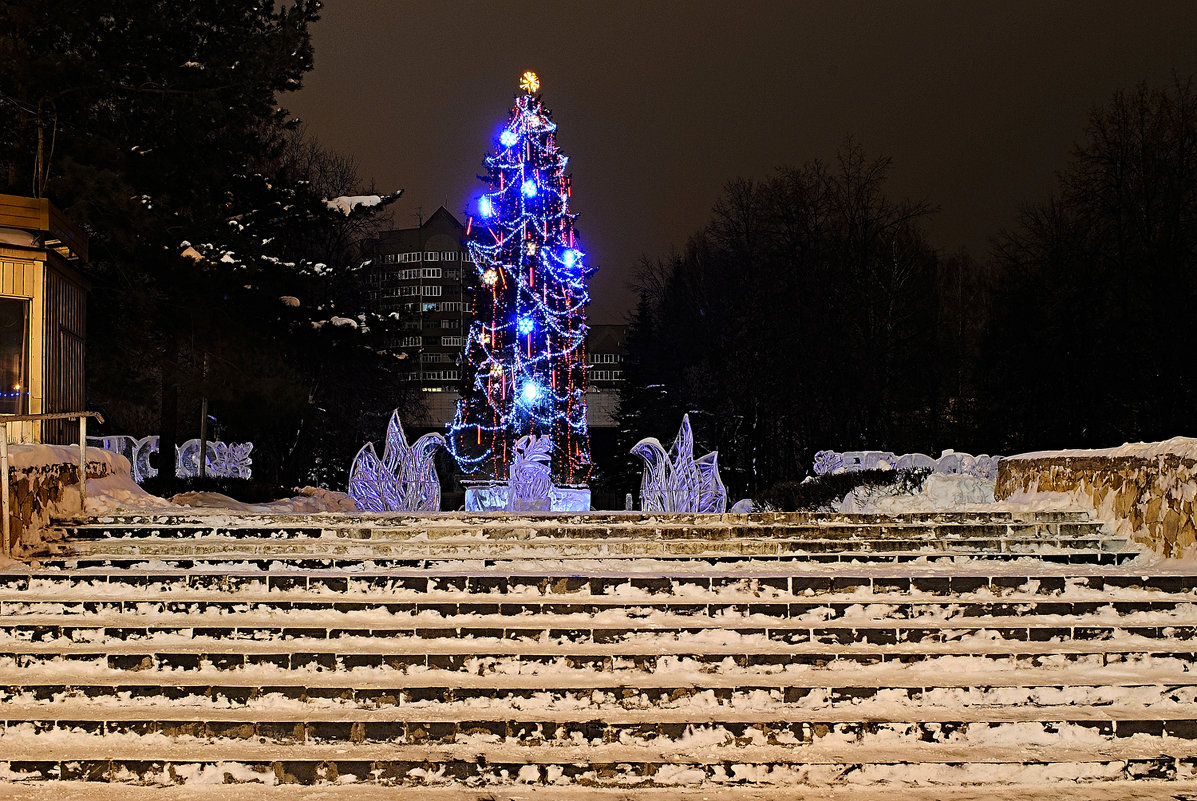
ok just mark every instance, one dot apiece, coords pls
pixel 529 82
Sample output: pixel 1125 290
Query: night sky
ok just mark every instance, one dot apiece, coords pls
pixel 659 104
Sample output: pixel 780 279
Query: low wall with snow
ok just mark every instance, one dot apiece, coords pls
pixel 1145 490
pixel 44 482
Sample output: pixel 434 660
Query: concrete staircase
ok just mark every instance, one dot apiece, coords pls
pixel 606 656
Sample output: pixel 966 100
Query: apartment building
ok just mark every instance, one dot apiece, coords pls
pixel 421 273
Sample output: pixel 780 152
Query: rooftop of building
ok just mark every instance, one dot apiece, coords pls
pixel 50 226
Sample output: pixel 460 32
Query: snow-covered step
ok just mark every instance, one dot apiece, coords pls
pixel 560 548
pixel 789 739
pixel 595 525
pixel 714 654
pixel 290 591
pixel 459 529
pixel 591 521
pixel 654 558
pixel 772 614
pixel 1011 759
pixel 210 784
pixel 815 541
pixel 566 698
pixel 526 723
pixel 826 635
pixel 798 582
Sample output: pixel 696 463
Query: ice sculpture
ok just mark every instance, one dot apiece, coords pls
pixel 827 462
pixel 224 460
pixel 676 481
pixel 529 480
pixel 949 462
pixel 404 480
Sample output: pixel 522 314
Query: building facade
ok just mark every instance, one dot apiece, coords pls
pixel 420 275
pixel 604 352
pixel 43 317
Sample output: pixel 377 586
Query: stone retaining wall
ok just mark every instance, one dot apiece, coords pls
pixel 1145 490
pixel 35 489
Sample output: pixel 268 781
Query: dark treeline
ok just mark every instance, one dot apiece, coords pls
pixel 812 312
pixel 217 271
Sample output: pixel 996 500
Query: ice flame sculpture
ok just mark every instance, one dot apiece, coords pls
pixel 404 480
pixel 676 481
pixel 529 477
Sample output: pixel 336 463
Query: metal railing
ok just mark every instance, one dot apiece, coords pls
pixel 7 419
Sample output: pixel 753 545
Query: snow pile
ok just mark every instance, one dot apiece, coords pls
pixel 347 203
pixel 940 492
pixel 1182 447
pixel 310 500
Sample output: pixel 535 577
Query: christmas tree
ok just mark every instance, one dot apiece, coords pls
pixel 524 363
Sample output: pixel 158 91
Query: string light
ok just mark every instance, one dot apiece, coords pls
pixel 524 358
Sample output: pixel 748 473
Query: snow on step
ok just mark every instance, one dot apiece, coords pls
pixel 732 655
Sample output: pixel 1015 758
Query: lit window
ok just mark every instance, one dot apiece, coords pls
pixel 14 326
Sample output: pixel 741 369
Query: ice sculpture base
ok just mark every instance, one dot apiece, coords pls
pixel 490 497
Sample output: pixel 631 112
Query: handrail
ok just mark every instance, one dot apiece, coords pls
pixel 6 524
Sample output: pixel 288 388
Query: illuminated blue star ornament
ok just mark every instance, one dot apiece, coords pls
pixel 524 362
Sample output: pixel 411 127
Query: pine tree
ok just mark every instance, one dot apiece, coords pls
pixel 524 363
pixel 157 127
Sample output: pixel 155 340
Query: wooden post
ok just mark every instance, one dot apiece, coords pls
pixel 83 464
pixel 6 527
pixel 203 453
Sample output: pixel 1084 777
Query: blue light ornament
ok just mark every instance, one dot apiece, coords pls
pixel 530 393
